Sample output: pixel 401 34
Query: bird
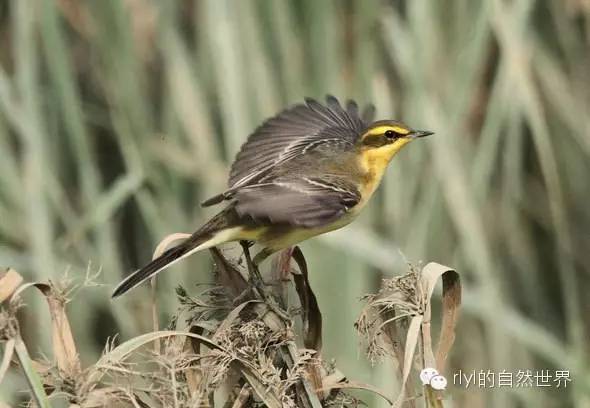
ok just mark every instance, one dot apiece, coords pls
pixel 306 171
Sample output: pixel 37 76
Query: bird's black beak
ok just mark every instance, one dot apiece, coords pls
pixel 420 133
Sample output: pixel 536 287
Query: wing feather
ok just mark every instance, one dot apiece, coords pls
pixel 300 202
pixel 285 136
pixel 289 135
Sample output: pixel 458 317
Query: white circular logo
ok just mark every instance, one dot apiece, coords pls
pixel 427 374
pixel 438 382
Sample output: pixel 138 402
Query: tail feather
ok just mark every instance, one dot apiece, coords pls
pixel 169 257
pixel 216 231
pixel 199 240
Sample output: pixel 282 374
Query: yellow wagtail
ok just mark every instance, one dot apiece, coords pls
pixel 306 171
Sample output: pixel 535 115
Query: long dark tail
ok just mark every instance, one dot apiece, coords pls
pixel 172 255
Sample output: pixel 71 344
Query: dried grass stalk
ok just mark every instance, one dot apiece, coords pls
pixel 238 344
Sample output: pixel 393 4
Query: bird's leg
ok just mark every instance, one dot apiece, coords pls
pixel 253 272
pixel 256 278
pixel 261 256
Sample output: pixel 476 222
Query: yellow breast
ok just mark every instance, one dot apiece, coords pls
pixel 372 164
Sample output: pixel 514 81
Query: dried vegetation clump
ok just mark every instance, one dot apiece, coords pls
pixel 234 345
pixel 396 322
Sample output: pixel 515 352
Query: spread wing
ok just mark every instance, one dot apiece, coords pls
pixel 289 135
pixel 301 202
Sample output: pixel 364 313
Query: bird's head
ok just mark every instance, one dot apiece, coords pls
pixel 384 138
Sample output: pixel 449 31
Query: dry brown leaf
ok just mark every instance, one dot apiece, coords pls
pixel 410 297
pixel 312 317
pixel 64 347
pixel 228 276
pixel 411 342
pixel 451 300
pixel 169 239
pixel 280 273
pixel 9 281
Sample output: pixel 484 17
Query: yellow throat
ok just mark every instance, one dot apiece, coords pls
pixel 373 163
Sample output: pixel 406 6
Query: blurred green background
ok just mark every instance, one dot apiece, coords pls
pixel 117 117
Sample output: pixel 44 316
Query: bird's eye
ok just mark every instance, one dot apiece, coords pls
pixel 390 134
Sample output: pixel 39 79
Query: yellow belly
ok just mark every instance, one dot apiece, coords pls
pixel 277 242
